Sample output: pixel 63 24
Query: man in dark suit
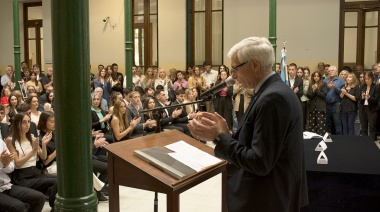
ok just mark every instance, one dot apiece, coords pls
pixel 134 112
pixel 184 117
pixel 266 170
pixel 295 83
pixel 169 116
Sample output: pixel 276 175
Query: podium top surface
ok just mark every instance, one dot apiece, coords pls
pixel 124 150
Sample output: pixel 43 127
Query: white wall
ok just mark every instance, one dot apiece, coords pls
pixel 311 28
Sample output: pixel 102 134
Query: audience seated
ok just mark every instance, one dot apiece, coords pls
pixel 121 126
pixel 100 118
pixel 134 112
pixel 28 150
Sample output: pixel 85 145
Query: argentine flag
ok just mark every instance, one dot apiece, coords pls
pixel 283 67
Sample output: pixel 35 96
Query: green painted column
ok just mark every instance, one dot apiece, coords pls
pixel 273 27
pixel 16 40
pixel 128 18
pixel 70 34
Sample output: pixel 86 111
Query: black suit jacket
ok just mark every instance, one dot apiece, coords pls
pixel 132 114
pixel 373 97
pixel 96 125
pixel 266 170
pixel 182 118
pixel 298 82
pixel 4 130
pixel 317 99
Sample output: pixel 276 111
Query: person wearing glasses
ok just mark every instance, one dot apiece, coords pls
pixel 266 169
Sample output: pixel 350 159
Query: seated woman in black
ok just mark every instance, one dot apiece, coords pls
pixel 121 126
pixel 149 103
pixel 28 151
pixel 46 126
pixel 100 118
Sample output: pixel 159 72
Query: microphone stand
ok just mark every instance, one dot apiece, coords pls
pixel 158 111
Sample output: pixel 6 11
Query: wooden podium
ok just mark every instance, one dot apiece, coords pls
pixel 127 170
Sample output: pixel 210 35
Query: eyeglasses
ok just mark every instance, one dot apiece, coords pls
pixel 234 69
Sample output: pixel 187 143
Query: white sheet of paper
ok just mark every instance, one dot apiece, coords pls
pixel 191 156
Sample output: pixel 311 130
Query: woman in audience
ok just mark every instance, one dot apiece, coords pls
pixel 32 101
pixel 5 94
pixel 33 81
pixel 101 80
pixel 28 150
pixel 114 96
pixel 350 94
pixel 197 107
pixel 368 105
pixel 26 74
pixel 197 81
pixel 46 126
pixel 304 99
pixel 306 73
pixel 317 104
pixel 100 118
pixel 223 99
pixel 189 97
pixel 50 99
pixel 361 80
pixel 149 103
pixel 12 106
pixel 121 126
pixel 164 81
pixel 189 73
pixel 222 68
pixel 149 78
pixel 19 97
pixel 142 76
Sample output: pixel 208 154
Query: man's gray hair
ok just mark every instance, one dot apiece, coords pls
pixel 258 48
pixel 333 68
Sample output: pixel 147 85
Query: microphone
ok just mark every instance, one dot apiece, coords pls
pixel 212 91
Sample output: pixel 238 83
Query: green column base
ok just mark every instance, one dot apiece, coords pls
pixel 86 203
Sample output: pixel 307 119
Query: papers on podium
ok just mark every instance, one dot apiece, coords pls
pixel 185 161
pixel 310 135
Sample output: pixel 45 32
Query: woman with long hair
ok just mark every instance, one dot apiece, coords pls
pixel 197 81
pixel 33 81
pixel 317 104
pixel 304 99
pixel 100 118
pixel 121 126
pixel 5 94
pixel 148 104
pixel 102 79
pixel 368 105
pixel 149 78
pixel 12 106
pixel 32 101
pixel 164 81
pixel 29 152
pixel 46 126
pixel 350 94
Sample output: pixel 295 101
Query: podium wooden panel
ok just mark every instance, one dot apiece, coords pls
pixel 127 170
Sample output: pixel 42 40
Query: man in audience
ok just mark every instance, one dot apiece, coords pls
pixel 134 112
pixel 210 76
pixel 295 83
pixel 149 92
pixel 326 71
pixel 103 104
pixel 334 84
pixel 358 70
pixel 184 117
pixel 321 66
pixel 180 83
pixel 43 98
pixel 168 116
pixel 48 79
pixel 376 73
pixel 13 197
pixel 115 70
pixel 278 68
pixel 126 99
pixel 39 75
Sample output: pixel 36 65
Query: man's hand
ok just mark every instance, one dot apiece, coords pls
pixel 7 157
pixel 208 126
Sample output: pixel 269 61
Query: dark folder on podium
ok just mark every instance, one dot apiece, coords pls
pixel 158 157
